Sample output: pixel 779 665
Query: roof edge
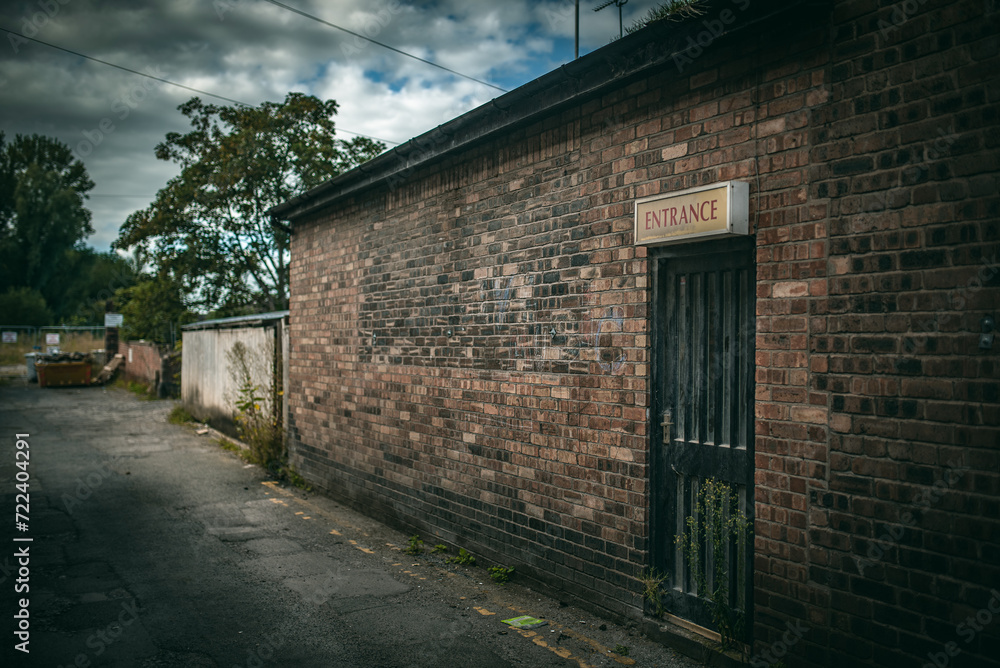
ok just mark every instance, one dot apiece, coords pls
pixel 255 320
pixel 588 75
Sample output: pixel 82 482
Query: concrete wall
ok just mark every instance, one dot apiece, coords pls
pixel 208 386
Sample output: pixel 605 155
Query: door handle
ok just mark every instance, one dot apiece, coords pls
pixel 667 422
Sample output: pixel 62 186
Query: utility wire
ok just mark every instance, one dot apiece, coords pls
pixel 171 83
pixel 383 45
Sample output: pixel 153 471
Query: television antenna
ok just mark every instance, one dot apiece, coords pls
pixel 618 4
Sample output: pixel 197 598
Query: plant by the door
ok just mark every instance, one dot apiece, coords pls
pixel 716 524
pixel 652 583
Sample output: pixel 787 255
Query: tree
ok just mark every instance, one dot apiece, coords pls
pixel 83 282
pixel 153 310
pixel 42 213
pixel 24 306
pixel 209 226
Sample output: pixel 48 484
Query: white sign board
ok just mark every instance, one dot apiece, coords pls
pixel 52 339
pixel 113 319
pixel 10 337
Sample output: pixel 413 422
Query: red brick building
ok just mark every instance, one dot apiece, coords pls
pixel 482 349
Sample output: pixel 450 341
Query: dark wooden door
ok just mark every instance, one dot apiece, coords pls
pixel 703 403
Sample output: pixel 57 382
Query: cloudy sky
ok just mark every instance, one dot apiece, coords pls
pixel 254 50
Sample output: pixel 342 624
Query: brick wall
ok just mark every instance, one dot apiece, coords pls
pixel 470 348
pixel 143 361
pixel 895 509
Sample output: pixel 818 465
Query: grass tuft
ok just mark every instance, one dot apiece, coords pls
pixel 179 415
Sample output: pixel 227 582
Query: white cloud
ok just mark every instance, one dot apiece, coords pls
pixel 256 51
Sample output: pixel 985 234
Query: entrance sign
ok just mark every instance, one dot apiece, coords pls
pixel 718 210
pixel 113 319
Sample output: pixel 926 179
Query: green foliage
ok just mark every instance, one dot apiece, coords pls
pixel 82 282
pixel 464 558
pixel 24 306
pixel 717 522
pixel 293 478
pixel 439 548
pixel 43 222
pixel 42 212
pixel 652 583
pixel 140 390
pixel 257 415
pixel 179 416
pixel 230 446
pixel 154 310
pixel 415 547
pixel 673 10
pixel 500 574
pixel 621 650
pixel 209 226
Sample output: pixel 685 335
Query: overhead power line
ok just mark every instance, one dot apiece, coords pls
pixel 383 45
pixel 166 81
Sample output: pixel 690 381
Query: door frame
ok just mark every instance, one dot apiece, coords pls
pixel 661 526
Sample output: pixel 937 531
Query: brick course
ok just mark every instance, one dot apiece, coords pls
pixel 470 345
pixel 145 364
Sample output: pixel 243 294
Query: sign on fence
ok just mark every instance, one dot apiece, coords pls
pixel 10 337
pixel 52 339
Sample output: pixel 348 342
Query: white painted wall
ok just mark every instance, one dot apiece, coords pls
pixel 208 385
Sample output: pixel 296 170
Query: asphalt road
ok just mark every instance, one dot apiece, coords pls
pixel 153 546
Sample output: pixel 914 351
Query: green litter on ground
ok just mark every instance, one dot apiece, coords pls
pixel 525 622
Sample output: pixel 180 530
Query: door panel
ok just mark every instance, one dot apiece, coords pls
pixel 703 359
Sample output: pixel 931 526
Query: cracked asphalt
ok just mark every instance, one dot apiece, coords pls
pixel 153 546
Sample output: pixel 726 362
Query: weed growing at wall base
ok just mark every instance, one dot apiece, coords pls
pixel 716 523
pixel 256 414
pixel 652 589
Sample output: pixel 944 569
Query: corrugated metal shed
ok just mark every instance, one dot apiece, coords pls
pixel 238 321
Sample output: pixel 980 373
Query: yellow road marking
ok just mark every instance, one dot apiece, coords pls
pixel 316 510
pixel 560 651
pixel 572 633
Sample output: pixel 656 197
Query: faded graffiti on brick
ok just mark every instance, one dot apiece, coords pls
pixel 530 337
